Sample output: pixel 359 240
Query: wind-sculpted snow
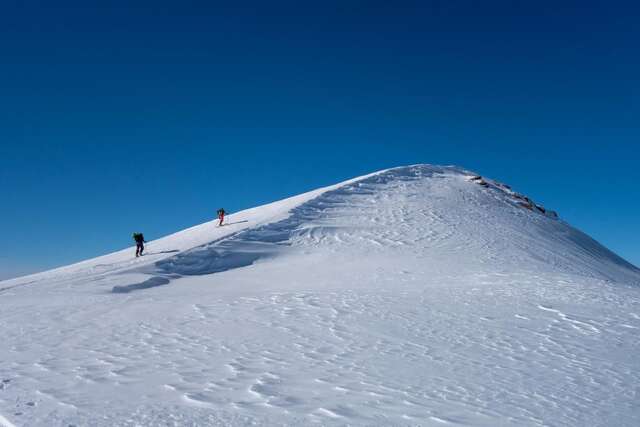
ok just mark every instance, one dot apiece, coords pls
pixel 415 296
pixel 247 247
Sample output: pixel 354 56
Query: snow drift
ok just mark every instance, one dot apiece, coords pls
pixel 417 295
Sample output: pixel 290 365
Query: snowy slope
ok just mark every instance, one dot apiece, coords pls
pixel 413 296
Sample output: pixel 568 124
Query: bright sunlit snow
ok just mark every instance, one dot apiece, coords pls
pixel 414 296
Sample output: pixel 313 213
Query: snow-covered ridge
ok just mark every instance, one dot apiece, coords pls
pixel 484 223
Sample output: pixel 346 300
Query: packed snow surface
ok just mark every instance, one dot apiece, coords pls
pixel 412 296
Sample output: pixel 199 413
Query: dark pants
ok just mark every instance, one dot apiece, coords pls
pixel 139 248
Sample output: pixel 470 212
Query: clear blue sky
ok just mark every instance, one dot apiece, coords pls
pixel 151 115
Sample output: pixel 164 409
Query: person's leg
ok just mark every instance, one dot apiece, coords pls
pixel 141 248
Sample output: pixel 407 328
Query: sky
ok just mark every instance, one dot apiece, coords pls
pixel 148 116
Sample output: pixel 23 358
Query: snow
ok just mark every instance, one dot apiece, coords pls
pixel 411 296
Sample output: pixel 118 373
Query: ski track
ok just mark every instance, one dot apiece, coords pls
pixel 354 309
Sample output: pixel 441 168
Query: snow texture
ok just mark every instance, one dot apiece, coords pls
pixel 421 295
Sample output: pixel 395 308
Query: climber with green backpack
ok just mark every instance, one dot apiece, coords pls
pixel 139 239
